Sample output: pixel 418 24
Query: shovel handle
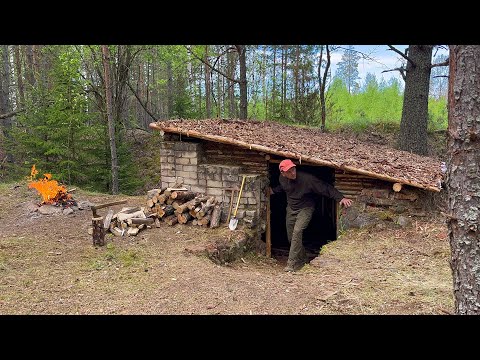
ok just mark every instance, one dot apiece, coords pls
pixel 239 196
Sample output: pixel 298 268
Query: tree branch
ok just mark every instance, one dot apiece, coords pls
pixel 401 54
pixel 211 67
pixel 10 114
pixel 445 63
pixel 363 55
pixel 144 106
pixel 401 70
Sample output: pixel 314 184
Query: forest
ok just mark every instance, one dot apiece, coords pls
pixel 54 109
pixel 82 115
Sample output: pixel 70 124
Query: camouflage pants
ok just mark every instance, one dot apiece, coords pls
pixel 297 221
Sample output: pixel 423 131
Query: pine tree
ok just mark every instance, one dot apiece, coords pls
pixel 348 69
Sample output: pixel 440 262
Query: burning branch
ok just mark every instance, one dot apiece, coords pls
pixel 50 190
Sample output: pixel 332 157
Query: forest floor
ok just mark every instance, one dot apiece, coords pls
pixel 48 265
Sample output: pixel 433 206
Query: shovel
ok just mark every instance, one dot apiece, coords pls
pixel 234 221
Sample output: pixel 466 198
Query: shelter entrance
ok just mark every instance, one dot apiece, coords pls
pixel 323 226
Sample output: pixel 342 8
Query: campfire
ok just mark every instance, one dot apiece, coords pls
pixel 51 192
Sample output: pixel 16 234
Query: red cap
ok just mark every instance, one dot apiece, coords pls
pixel 286 164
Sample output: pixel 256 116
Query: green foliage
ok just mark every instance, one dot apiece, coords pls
pixel 348 69
pixel 57 134
pixel 437 114
pixel 358 111
pixel 128 178
pixel 113 256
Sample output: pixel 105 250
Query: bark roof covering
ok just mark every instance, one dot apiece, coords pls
pixel 311 145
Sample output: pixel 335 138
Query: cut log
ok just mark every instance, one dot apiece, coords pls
pixel 161 199
pixel 98 235
pixel 150 203
pixel 137 214
pixel 193 213
pixel 117 232
pixel 188 205
pixel 171 220
pixel 108 219
pixel 216 215
pixel 204 221
pixel 184 218
pixel 206 208
pixel 182 195
pixel 397 187
pixel 133 231
pixel 178 188
pixel 192 204
pixel 153 192
pixel 129 210
pixel 165 211
pixel 138 221
pixel 403 196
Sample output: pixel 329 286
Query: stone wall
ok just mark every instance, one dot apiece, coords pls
pixel 185 164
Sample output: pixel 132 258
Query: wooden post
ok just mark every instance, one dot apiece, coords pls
pixel 98 231
pixel 99 228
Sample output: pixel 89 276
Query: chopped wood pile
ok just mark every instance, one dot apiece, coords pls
pixel 179 205
pixel 127 222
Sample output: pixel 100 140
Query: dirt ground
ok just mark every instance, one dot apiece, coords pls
pixel 48 265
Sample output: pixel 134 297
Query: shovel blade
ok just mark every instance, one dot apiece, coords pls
pixel 233 223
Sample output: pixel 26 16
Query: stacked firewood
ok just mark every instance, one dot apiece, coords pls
pixel 179 205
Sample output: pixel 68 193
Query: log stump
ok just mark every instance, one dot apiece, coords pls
pixel 98 231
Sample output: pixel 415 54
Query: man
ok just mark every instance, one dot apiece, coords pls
pixel 299 187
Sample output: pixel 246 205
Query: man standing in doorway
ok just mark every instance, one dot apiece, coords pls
pixel 299 187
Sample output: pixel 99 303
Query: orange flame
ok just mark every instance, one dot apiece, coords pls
pixel 50 191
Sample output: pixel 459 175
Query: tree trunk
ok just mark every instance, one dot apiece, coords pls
pixel 296 75
pixel 110 120
pixel 463 178
pixel 18 72
pixel 169 90
pixel 5 123
pixel 322 82
pixel 208 87
pixel 284 81
pixel 413 126
pixel 274 88
pixel 123 63
pixel 30 68
pixel 243 80
pixel 231 85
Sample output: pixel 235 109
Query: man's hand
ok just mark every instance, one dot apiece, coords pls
pixel 346 202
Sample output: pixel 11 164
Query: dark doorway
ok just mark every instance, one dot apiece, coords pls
pixel 323 226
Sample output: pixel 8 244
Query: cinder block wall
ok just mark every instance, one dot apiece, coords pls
pixel 184 163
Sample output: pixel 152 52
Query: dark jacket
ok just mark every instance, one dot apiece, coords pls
pixel 299 191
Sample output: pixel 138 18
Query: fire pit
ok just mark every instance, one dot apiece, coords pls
pixel 51 192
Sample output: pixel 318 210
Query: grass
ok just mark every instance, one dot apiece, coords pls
pixel 409 268
pixel 113 256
